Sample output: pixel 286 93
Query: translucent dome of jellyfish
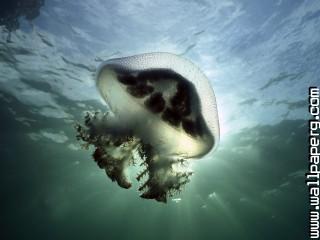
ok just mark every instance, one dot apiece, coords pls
pixel 162 114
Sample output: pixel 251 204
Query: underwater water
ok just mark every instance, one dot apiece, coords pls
pixel 260 57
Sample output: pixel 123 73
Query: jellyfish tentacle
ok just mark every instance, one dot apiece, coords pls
pixel 114 153
pixel 163 178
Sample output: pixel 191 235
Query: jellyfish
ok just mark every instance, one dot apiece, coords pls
pixel 162 115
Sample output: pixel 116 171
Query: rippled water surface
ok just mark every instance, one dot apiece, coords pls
pixel 260 56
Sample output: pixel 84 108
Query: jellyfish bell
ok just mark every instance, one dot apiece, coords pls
pixel 161 106
pixel 166 99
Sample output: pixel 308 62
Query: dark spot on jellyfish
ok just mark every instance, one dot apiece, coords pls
pixel 151 76
pixel 181 100
pixel 159 74
pixel 189 127
pixel 155 103
pixel 183 88
pixel 181 106
pixel 172 117
pixel 140 90
pixel 168 74
pixel 127 79
pixel 200 125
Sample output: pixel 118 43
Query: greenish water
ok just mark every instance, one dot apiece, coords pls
pixel 260 57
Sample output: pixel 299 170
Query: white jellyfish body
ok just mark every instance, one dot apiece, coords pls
pixel 163 107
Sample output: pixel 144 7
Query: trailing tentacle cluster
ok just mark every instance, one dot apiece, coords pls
pixel 165 177
pixel 116 151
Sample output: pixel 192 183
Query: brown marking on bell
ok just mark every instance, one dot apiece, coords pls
pixel 155 103
pixel 151 76
pixel 200 125
pixel 181 106
pixel 183 88
pixel 181 100
pixel 190 127
pixel 172 117
pixel 159 74
pixel 140 90
pixel 127 79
